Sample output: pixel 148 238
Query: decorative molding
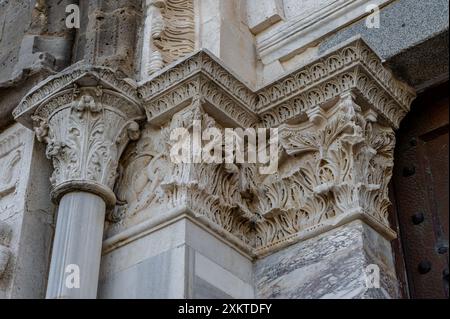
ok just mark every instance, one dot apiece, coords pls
pixel 336 167
pixel 336 156
pixel 86 118
pixel 177 39
pixel 78 73
pixel 10 156
pixel 341 167
pixel 3 13
pixel 150 181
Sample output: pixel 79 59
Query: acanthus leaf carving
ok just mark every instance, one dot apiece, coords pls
pixel 86 128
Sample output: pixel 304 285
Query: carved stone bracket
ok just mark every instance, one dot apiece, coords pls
pixel 86 117
pixel 337 170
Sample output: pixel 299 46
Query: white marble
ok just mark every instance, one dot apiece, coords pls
pixel 78 241
pixel 178 260
pixel 261 14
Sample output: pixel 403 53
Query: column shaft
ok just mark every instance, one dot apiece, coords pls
pixel 77 246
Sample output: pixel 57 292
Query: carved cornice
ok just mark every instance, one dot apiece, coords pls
pixel 169 33
pixel 86 116
pixel 163 107
pixel 352 67
pixel 336 167
pixel 340 169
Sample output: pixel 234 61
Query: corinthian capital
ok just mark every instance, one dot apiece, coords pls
pixel 86 117
pixel 349 157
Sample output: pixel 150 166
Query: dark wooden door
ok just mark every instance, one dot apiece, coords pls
pixel 421 190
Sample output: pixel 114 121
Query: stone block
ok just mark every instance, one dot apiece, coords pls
pixel 330 266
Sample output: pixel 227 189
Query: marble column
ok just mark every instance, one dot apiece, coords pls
pixel 86 117
pixel 77 247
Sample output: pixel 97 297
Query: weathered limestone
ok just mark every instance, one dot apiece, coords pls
pixel 44 45
pixel 109 36
pixel 336 118
pixel 169 33
pixel 340 153
pixel 5 253
pixel 223 30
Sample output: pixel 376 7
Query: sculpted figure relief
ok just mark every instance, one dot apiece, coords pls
pixel 142 170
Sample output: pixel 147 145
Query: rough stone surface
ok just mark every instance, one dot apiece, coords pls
pixel 108 36
pixel 40 41
pixel 403 24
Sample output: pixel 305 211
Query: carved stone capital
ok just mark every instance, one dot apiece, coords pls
pixel 86 117
pixel 336 119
